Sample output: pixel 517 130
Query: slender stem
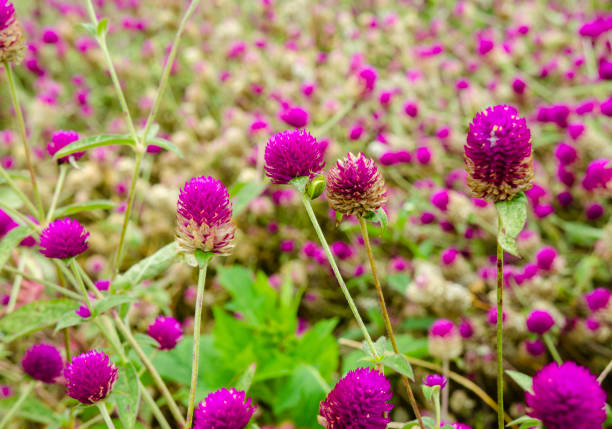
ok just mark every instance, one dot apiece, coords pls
pixel 16 285
pixel 149 365
pixel 23 220
pixel 500 321
pixel 56 193
pixel 50 285
pixel 8 417
pixel 197 321
pixel 551 348
pixel 24 138
pixel 605 372
pixel 159 416
pixel 77 275
pixel 7 178
pixel 67 344
pixel 446 390
pixel 105 416
pixel 332 262
pixel 385 313
pixel 437 408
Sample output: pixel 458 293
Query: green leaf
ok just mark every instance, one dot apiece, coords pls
pixel 246 379
pixel 165 144
pixel 243 193
pixel 380 216
pixel 508 244
pixel 31 409
pixel 398 282
pixel 89 27
pixel 203 258
pixel 521 379
pixel 68 320
pixel 149 267
pixel 429 391
pixel 581 234
pixel 102 27
pixel 316 187
pixel 300 183
pixel 427 421
pixel 106 303
pixel 126 396
pixel 513 214
pixel 380 345
pixel 11 241
pixel 33 317
pixel 525 422
pixel 398 363
pixel 93 142
pixel 85 206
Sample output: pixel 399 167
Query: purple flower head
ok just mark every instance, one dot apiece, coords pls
pixel 598 298
pixel 518 86
pixel 50 36
pixel 442 328
pixel 449 256
pixel 466 329
pixel 596 26
pixel 435 380
pixel 292 153
pixel 61 139
pixel 567 397
pixel 90 377
pixel 594 211
pixel 83 311
pixel 167 331
pixel 565 198
pixel 7 224
pixel 224 409
pixel 498 154
pixel 606 107
pixel 43 362
pixel 566 154
pixel 102 285
pixel 423 155
pixel 440 199
pixel 461 426
pixel 356 186
pixel 341 250
pixel 535 347
pixel 203 217
pixel 360 399
pixel 546 258
pixel 492 316
pixel 295 116
pixel 63 238
pixel 368 76
pixel 539 322
pixel 7 14
pixel 598 175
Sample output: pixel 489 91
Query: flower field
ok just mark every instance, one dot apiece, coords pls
pixel 293 214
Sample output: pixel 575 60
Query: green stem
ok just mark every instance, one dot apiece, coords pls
pixel 8 417
pixel 105 416
pixel 197 321
pixel 551 348
pixel 437 408
pixel 57 191
pixel 16 285
pixel 77 275
pixel 159 416
pixel 24 138
pixel 46 283
pixel 332 262
pixel 500 319
pixel 9 181
pixel 67 344
pixel 446 390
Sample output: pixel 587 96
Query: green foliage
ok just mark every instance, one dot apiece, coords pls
pixel 93 142
pixel 525 422
pixel 126 395
pixel 11 241
pixel 148 267
pixel 512 215
pixel 243 193
pixel 34 410
pixel 84 206
pixel 315 188
pixel 380 217
pixel 33 317
pixel 521 379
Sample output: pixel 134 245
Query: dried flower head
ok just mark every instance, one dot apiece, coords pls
pixel 43 362
pixel 356 186
pixel 12 41
pixel 203 217
pixel 166 331
pixel 567 397
pixel 63 238
pixel 90 377
pixel 498 154
pixel 360 399
pixel 292 153
pixel 61 139
pixel 224 409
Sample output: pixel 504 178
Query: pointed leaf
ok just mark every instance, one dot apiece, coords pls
pixel 508 244
pixel 33 317
pixel 521 379
pixel 148 267
pixel 85 206
pixel 244 383
pixel 163 143
pixel 300 183
pixel 93 142
pixel 106 303
pixel 126 396
pixel 11 241
pixel 400 364
pixel 102 27
pixel 513 214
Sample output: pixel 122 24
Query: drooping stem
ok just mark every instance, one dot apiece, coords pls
pixel 24 138
pixel 605 372
pixel 446 389
pixel 551 348
pixel 56 193
pixel 332 262
pixel 385 313
pixel 500 321
pixel 16 285
pixel 197 321
pixel 8 417
pixel 105 416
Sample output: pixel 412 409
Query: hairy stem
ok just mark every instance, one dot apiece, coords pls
pixel 500 321
pixel 159 416
pixel 437 409
pixel 105 416
pixel 56 193
pixel 385 313
pixel 67 344
pixel 77 275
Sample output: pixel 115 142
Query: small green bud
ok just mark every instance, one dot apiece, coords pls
pixel 316 187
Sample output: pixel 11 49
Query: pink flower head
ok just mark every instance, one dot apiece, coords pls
pixel 61 139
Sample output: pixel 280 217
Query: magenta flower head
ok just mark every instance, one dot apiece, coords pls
pixel 43 362
pixel 444 340
pixel 61 139
pixel 435 380
pixel 203 217
pixel 598 175
pixel 539 322
pixel 359 400
pixel 63 238
pixel 167 331
pixel 224 409
pixel 295 116
pixel 356 186
pixel 598 299
pixel 12 41
pixel 567 397
pixel 90 377
pixel 292 153
pixel 498 154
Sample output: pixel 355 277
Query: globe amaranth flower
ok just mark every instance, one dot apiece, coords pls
pixel 598 298
pixel 43 362
pixel 90 377
pixel 444 340
pixel 435 380
pixel 292 153
pixel 539 322
pixel 498 154
pixel 224 409
pixel 12 41
pixel 63 238
pixel 360 399
pixel 598 175
pixel 166 331
pixel 355 186
pixel 203 217
pixel 61 139
pixel 567 397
